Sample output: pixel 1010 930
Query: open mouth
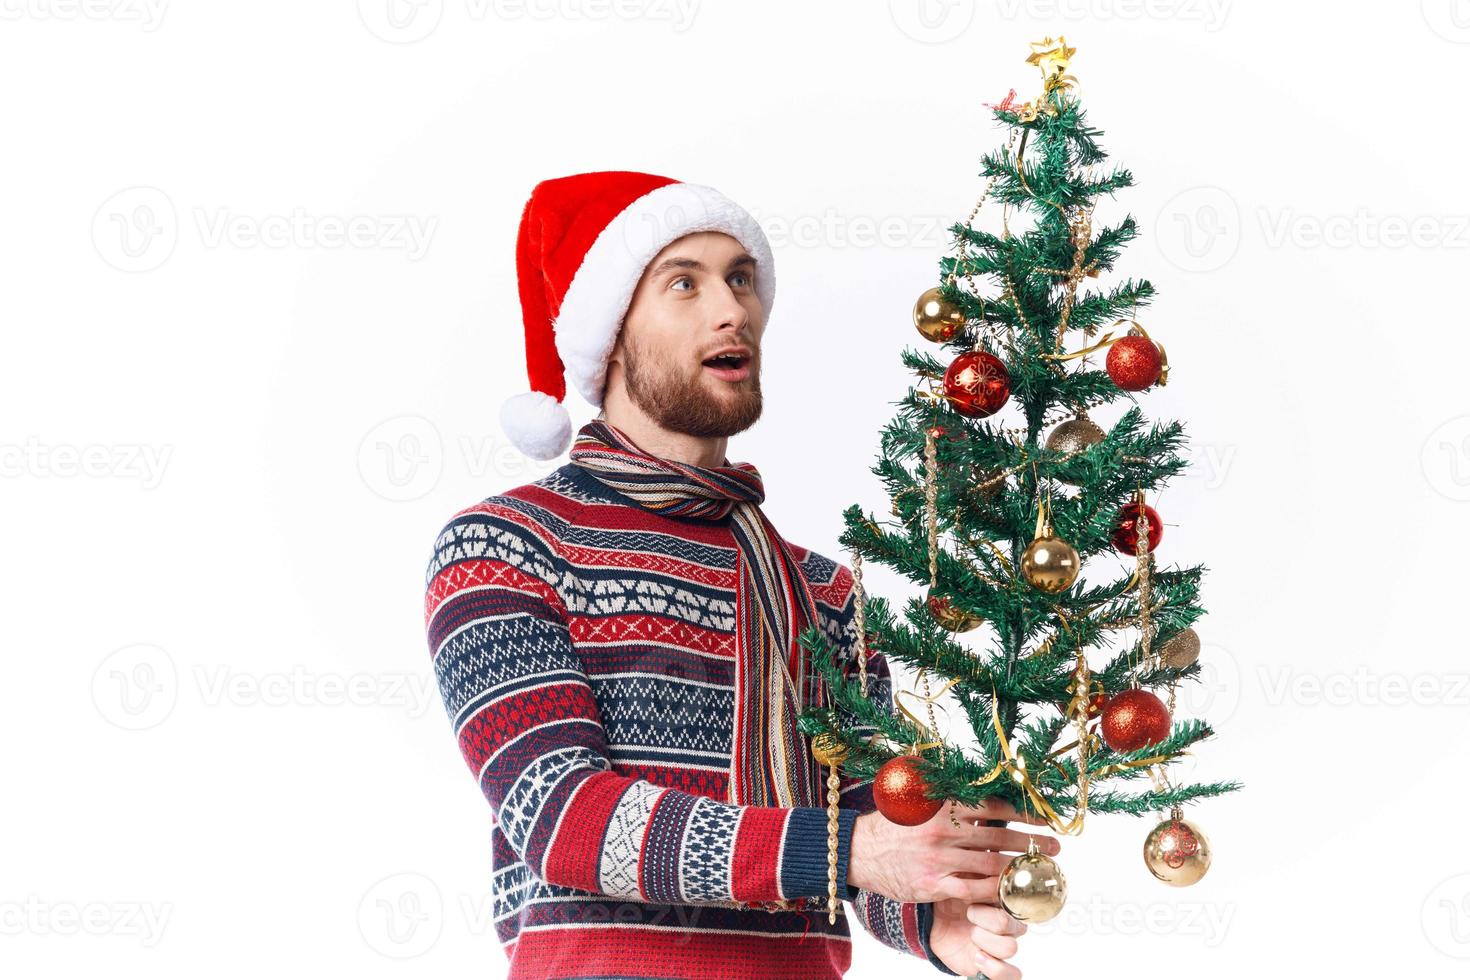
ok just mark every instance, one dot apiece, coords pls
pixel 729 366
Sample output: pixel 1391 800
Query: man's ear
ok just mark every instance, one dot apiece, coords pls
pixel 614 365
pixel 616 354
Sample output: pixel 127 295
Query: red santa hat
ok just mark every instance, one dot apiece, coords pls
pixel 585 241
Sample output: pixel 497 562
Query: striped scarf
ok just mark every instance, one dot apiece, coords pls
pixel 770 764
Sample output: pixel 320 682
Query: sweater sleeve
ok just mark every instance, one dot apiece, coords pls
pixel 903 926
pixel 529 729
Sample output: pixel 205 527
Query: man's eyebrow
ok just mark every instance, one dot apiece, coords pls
pixel 743 259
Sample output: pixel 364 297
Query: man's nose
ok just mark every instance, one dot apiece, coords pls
pixel 731 313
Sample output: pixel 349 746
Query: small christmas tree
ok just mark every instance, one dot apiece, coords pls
pixel 1018 513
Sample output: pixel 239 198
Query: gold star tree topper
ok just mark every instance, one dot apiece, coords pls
pixel 1053 58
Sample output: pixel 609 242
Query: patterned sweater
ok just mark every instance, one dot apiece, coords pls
pixel 584 647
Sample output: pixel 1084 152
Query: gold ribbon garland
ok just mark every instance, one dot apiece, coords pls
pixel 1016 766
pixel 925 731
pixel 1107 341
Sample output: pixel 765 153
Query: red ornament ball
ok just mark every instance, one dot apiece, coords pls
pixel 1125 530
pixel 1133 719
pixel 899 791
pixel 977 384
pixel 950 616
pixel 1134 363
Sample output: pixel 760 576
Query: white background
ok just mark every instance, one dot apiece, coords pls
pixel 229 438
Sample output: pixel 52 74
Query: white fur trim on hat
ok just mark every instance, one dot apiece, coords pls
pixel 598 297
pixel 537 423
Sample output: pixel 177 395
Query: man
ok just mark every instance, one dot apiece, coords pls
pixel 615 642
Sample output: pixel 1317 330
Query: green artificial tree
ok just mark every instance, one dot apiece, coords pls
pixel 1048 618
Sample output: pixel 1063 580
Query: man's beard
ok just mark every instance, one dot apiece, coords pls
pixel 680 402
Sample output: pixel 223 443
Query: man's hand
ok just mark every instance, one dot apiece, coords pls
pixel 935 861
pixel 972 939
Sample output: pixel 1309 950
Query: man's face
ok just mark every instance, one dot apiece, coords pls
pixel 688 353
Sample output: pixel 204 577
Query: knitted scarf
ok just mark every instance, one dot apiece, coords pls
pixel 770 764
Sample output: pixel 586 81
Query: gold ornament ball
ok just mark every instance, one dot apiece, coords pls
pixel 951 617
pixel 1032 887
pixel 1181 650
pixel 1074 436
pixel 829 750
pixel 1177 852
pixel 936 317
pixel 1050 564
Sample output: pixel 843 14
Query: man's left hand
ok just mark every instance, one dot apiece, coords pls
pixel 975 938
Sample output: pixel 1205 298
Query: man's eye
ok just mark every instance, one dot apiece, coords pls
pixel 684 279
pixel 744 279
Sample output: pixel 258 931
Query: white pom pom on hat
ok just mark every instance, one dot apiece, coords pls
pixel 584 243
pixel 537 423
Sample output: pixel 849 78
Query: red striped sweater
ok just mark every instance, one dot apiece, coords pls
pixel 584 648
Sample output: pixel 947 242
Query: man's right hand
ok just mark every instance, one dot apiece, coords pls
pixel 934 860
